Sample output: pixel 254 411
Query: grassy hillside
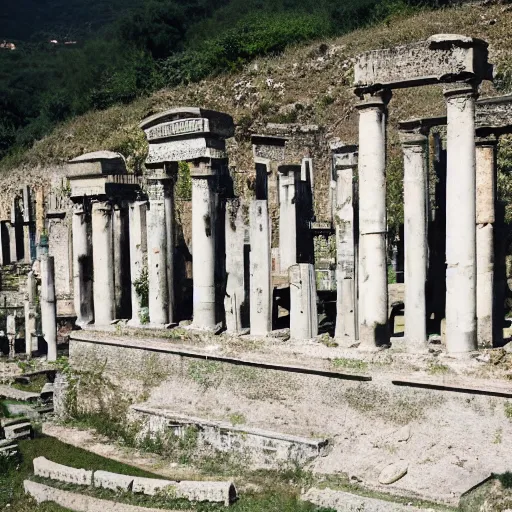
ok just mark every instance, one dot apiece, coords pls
pixel 307 84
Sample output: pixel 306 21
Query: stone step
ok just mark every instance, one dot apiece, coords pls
pixel 17 394
pixel 6 422
pixel 47 392
pixel 18 431
pixel 8 447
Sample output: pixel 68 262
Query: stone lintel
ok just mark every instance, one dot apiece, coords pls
pixel 441 58
pixel 177 150
pixel 287 169
pixel 345 157
pixel 184 122
pixel 484 138
pixel 104 186
pixel 269 147
pixel 99 162
pixel 494 115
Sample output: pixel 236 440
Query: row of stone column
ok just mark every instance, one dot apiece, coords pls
pixel 470 218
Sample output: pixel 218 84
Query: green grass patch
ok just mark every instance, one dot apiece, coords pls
pixel 349 364
pixel 508 410
pixel 436 368
pixel 34 386
pixel 15 470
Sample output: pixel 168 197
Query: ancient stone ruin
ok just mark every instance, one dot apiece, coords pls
pixel 289 266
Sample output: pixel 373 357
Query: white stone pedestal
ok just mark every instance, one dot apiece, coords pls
pixel 303 308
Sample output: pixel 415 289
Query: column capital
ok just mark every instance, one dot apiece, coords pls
pixel 206 167
pixel 287 169
pixel 414 139
pixel 486 139
pixel 377 99
pixel 101 206
pixel 457 90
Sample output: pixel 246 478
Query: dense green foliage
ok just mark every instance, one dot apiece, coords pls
pixel 130 48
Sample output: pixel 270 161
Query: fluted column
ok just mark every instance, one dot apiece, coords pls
pixel 82 266
pixel 485 219
pixel 460 219
pixel 414 146
pixel 102 257
pixel 373 310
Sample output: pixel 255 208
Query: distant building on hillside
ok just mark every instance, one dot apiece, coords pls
pixel 7 46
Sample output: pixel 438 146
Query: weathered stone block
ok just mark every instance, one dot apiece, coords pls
pixel 48 469
pixel 113 481
pixel 151 486
pixel 441 58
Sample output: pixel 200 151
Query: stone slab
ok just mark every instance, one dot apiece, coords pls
pixel 441 58
pixel 151 486
pixel 17 394
pixel 18 431
pixel 78 502
pixel 224 436
pixel 471 386
pixel 48 469
pixel 108 480
pixel 342 501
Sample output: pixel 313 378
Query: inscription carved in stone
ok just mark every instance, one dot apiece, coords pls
pixel 179 127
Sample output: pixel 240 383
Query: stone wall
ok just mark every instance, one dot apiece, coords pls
pixel 447 441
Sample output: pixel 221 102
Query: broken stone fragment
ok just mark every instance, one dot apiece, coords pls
pixel 392 473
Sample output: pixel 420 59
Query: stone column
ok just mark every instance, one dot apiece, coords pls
pixel 82 266
pixel 102 257
pixel 460 219
pixel 203 246
pixel 485 219
pixel 137 248
pixel 158 187
pixel 172 170
pixel 303 309
pixel 373 310
pixel 346 318
pixel 26 224
pixel 31 342
pixel 48 305
pixel 118 246
pixel 287 217
pixel 414 146
pixel 260 269
pixel 235 290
